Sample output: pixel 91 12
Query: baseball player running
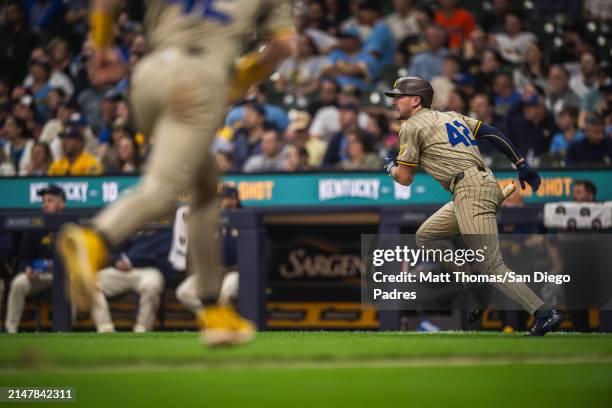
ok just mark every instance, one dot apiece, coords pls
pixel 445 145
pixel 179 93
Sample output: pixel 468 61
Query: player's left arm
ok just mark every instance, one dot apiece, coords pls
pixel 401 167
pixel 106 66
pixel 102 22
pixel 279 44
pixel 400 172
pixel 504 145
pixel 403 174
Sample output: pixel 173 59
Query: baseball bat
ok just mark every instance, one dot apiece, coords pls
pixel 509 189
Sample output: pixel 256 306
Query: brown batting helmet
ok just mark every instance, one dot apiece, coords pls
pixel 414 86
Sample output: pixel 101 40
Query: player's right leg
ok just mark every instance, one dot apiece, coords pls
pixel 171 90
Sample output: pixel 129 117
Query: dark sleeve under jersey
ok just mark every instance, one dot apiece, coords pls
pixel 501 142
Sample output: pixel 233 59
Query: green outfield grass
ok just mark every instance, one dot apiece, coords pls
pixel 315 369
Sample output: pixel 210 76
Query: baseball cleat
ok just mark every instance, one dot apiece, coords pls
pixel 84 253
pixel 545 321
pixel 222 326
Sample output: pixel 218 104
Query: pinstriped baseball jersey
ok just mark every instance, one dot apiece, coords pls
pixel 216 27
pixel 442 143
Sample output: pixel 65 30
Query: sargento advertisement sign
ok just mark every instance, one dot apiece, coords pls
pixel 303 189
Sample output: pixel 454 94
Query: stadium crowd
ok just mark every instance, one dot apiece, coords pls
pixel 537 70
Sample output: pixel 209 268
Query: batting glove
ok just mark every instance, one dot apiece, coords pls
pixel 529 175
pixel 389 163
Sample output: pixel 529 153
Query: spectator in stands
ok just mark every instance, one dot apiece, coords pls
pixel 25 109
pixel 505 94
pixel 379 42
pixel 484 74
pixel 128 31
pixel 41 160
pixel 458 101
pixel 19 146
pixel 445 83
pixel 79 67
pixel 482 109
pixel 531 125
pixel 56 98
pixel 402 21
pixel 274 115
pixel 17 43
pixel 415 43
pixel 584 191
pixel 558 94
pixel 428 64
pixel 353 23
pixel 335 13
pixel 309 20
pixel 54 127
pixel 495 21
pixel 296 159
pixel 40 86
pixel 59 58
pixel 271 157
pixel 6 166
pixel 350 63
pixel 300 73
pixel 598 10
pixel 246 140
pixel 139 267
pixel 569 132
pixel 360 154
pixel 585 80
pixel 54 74
pixel 595 149
pixel 35 261
pixel 315 14
pixel 474 47
pixel 327 95
pixel 327 122
pixel 95 106
pixel 512 44
pixel 573 45
pixel 298 135
pixel 125 157
pixel 5 100
pixel 76 18
pixel 533 70
pixel 337 147
pixel 597 101
pixel 45 15
pixel 457 22
pixel 75 160
pixel 108 113
pixel 67 115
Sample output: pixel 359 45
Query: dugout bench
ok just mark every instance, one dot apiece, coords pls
pixel 252 259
